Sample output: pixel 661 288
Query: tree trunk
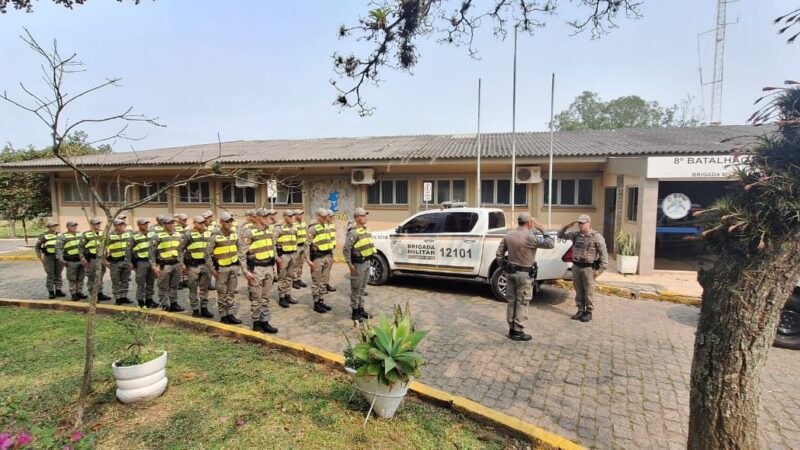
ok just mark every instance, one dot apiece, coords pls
pixel 12 228
pixel 738 321
pixel 25 231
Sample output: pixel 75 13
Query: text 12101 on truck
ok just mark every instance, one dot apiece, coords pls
pixel 457 243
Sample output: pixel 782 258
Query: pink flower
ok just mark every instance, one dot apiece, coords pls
pixel 76 436
pixel 5 441
pixel 240 423
pixel 24 439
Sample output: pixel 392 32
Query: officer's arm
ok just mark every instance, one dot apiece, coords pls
pixel 152 251
pixel 243 247
pixel 210 251
pixel 600 242
pixel 182 249
pixel 545 241
pixel 348 247
pixel 60 248
pixel 81 246
pixel 501 250
pixel 38 247
pixel 128 250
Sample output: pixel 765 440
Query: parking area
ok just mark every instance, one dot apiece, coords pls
pixel 620 381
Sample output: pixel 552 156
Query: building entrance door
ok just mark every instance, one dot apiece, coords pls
pixel 609 218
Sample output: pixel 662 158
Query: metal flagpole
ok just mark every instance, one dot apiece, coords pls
pixel 550 166
pixel 478 187
pixel 513 183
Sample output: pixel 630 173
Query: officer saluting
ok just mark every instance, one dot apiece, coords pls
pixel 589 260
pixel 521 246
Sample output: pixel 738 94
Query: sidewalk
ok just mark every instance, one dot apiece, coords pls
pixel 661 282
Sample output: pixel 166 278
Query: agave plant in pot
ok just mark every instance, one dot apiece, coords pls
pixel 385 360
pixel 141 372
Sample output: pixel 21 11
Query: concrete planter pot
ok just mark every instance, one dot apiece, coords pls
pixel 627 264
pixel 142 382
pixel 386 399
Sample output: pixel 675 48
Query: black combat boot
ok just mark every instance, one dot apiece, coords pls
pixel 257 327
pixel 141 303
pixel 291 300
pixel 325 305
pixel 74 297
pixel 364 314
pixel 102 297
pixel 224 319
pixel 82 296
pixel 126 300
pixel 519 336
pixel 578 315
pixel 330 288
pixel 196 313
pixel 586 317
pixel 204 312
pixel 319 307
pixel 296 284
pixel 267 328
pixel 283 302
pixel 150 303
pixel 51 294
pixel 174 307
pixel 302 285
pixel 356 314
pixel 119 301
pixel 365 293
pixel 233 320
pixel 60 293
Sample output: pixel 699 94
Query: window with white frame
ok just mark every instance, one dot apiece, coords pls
pixel 448 190
pixel 75 193
pixel 150 188
pixel 388 192
pixel 632 210
pixel 232 194
pixel 195 192
pixel 111 191
pixel 290 193
pixel 570 192
pixel 498 192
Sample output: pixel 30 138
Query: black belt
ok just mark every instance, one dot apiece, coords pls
pixel 167 263
pixel 72 259
pixel 195 262
pixel 281 252
pixel 116 259
pixel 515 268
pixel 89 256
pixel 267 263
pixel 358 260
pixel 582 264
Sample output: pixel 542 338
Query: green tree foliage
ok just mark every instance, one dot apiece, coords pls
pixel 589 112
pixel 27 5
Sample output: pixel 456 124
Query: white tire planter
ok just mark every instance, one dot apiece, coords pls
pixel 142 382
pixel 385 400
pixel 627 264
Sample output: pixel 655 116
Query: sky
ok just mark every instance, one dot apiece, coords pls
pixel 261 69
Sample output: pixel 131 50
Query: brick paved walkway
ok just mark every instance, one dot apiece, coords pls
pixel 620 381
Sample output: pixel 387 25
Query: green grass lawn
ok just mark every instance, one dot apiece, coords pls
pixel 33 231
pixel 221 394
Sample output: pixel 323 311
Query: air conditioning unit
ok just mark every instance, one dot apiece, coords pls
pixel 529 174
pixel 246 180
pixel 362 176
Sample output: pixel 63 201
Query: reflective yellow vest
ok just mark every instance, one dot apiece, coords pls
pixel 322 239
pixel 155 230
pixel 197 244
pixel 301 229
pixel 167 246
pixel 71 244
pixel 225 249
pixel 179 228
pixel 49 245
pixel 141 246
pixel 117 243
pixel 287 240
pixel 262 246
pixel 92 242
pixel 332 231
pixel 364 247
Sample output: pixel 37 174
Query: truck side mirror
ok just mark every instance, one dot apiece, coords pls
pixel 399 229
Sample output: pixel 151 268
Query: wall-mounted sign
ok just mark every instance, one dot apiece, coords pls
pixel 334 201
pixel 427 191
pixel 676 205
pixel 272 189
pixel 694 166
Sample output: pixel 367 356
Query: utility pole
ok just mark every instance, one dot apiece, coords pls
pixel 715 117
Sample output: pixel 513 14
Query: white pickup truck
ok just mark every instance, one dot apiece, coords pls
pixel 457 243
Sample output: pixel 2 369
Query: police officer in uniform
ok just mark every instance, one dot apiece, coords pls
pixel 181 225
pixel 211 224
pixel 87 249
pixel 192 255
pixel 286 247
pixel 330 224
pixel 320 259
pixel 164 260
pixel 118 261
pixel 140 258
pixel 589 260
pixel 358 250
pixel 257 259
pixel 521 246
pixel 221 259
pixel 67 252
pixel 301 229
pixel 46 252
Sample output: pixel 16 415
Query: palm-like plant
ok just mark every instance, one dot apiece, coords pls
pixel 388 350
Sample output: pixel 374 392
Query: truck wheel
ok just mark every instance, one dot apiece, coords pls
pixel 788 335
pixel 380 270
pixel 499 285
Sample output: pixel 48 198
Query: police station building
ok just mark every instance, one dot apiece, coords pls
pixel 645 182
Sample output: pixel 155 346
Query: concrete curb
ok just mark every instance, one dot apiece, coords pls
pixel 542 439
pixel 19 258
pixel 632 294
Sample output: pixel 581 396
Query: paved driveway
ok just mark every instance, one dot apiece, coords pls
pixel 620 381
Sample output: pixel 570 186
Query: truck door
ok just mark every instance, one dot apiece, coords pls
pixel 459 245
pixel 414 243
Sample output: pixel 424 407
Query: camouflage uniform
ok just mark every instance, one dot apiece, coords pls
pixel 222 256
pixel 46 249
pixel 68 253
pixel 589 260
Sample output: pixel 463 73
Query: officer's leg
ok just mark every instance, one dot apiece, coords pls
pixel 126 279
pixel 254 292
pixel 588 289
pixel 233 283
pixel 59 282
pixel 150 282
pixel 363 273
pixel 266 289
pixel 578 283
pixel 72 277
pixel 316 278
pixel 222 292
pixel 163 287
pixel 355 294
pixel 115 281
pixel 524 294
pixel 203 280
pixel 174 278
pixel 141 274
pixel 282 283
pixel 49 270
pixel 91 275
pixel 193 282
pixel 511 295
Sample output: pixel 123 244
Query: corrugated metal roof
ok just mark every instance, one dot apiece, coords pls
pixel 623 142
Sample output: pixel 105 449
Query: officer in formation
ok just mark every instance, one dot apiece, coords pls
pixel 589 260
pixel 140 258
pixel 358 251
pixel 286 247
pixel 301 229
pixel 320 258
pixel 257 260
pixel 330 225
pixel 221 259
pixel 67 254
pixel 164 260
pixel 118 261
pixel 521 246
pixel 46 252
pixel 192 256
pixel 87 250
